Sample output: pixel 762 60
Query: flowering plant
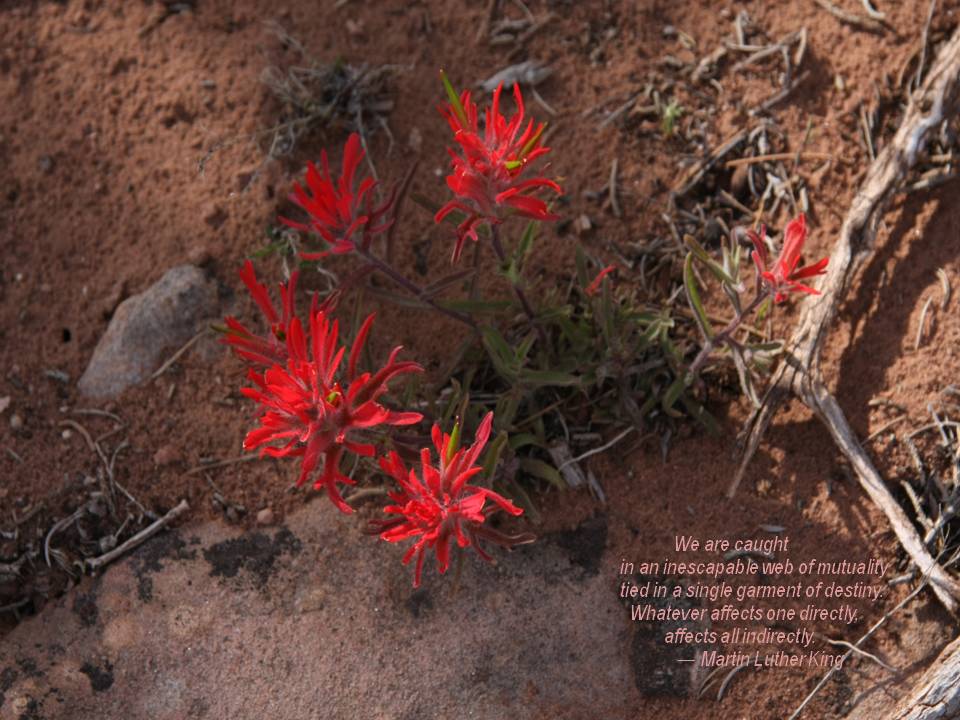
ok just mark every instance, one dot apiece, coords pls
pixel 338 211
pixel 310 409
pixel 486 178
pixel 592 345
pixel 784 276
pixel 773 285
pixel 440 505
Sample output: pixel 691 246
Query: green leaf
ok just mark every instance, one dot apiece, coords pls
pixel 433 207
pixel 492 457
pixel 693 298
pixel 701 415
pixel 526 242
pixel 506 410
pixel 765 307
pixel 524 348
pixel 704 257
pixel 407 301
pixel 520 440
pixel 496 343
pixel 581 261
pixel 454 443
pixel 454 98
pixel 673 394
pixel 543 471
pixel 443 283
pixel 549 378
pixel 513 490
pixel 476 306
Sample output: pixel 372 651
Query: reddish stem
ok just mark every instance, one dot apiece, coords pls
pixel 725 335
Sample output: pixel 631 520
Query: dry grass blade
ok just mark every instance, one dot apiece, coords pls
pixel 876 626
pixel 922 324
pixel 771 157
pixel 945 284
pixel 800 374
pixel 696 173
pixel 178 354
pixel 222 463
pixel 612 185
pixel 864 23
pixel 863 653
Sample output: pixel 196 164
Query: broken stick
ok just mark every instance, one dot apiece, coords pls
pixel 141 537
pixel 800 373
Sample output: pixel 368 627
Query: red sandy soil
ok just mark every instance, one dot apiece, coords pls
pixel 102 128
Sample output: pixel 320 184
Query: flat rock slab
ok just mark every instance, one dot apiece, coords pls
pixel 161 318
pixel 315 619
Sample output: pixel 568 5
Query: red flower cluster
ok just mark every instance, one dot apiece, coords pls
pixel 784 276
pixel 339 210
pixel 440 505
pixel 309 410
pixel 486 177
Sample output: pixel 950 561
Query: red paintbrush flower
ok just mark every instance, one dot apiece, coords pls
pixel 339 210
pixel 260 351
pixel 440 505
pixel 486 176
pixel 313 414
pixel 594 285
pixel 784 276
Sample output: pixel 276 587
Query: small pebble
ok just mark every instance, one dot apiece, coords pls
pixel 66 434
pixel 16 422
pixel 4 403
pixel 415 140
pixel 265 517
pixel 166 455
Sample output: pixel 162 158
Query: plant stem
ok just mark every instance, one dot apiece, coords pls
pixel 516 284
pixel 724 335
pixel 412 287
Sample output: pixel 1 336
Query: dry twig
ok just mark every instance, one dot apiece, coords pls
pixel 145 534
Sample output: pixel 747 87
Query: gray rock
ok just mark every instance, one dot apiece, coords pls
pixel 146 326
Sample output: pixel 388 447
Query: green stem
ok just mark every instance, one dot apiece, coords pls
pixel 516 284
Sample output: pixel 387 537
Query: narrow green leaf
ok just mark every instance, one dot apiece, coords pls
pixel 526 242
pixel 764 310
pixel 521 440
pixel 492 457
pixel 445 282
pixel 513 490
pixel 476 306
pixel 693 298
pixel 673 394
pixel 454 443
pixel 701 415
pixel 543 471
pixel 455 103
pixel 549 378
pixel 705 258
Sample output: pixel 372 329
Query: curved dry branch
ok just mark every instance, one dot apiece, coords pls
pixel 937 695
pixel 800 375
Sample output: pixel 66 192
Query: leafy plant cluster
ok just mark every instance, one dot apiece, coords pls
pixel 588 356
